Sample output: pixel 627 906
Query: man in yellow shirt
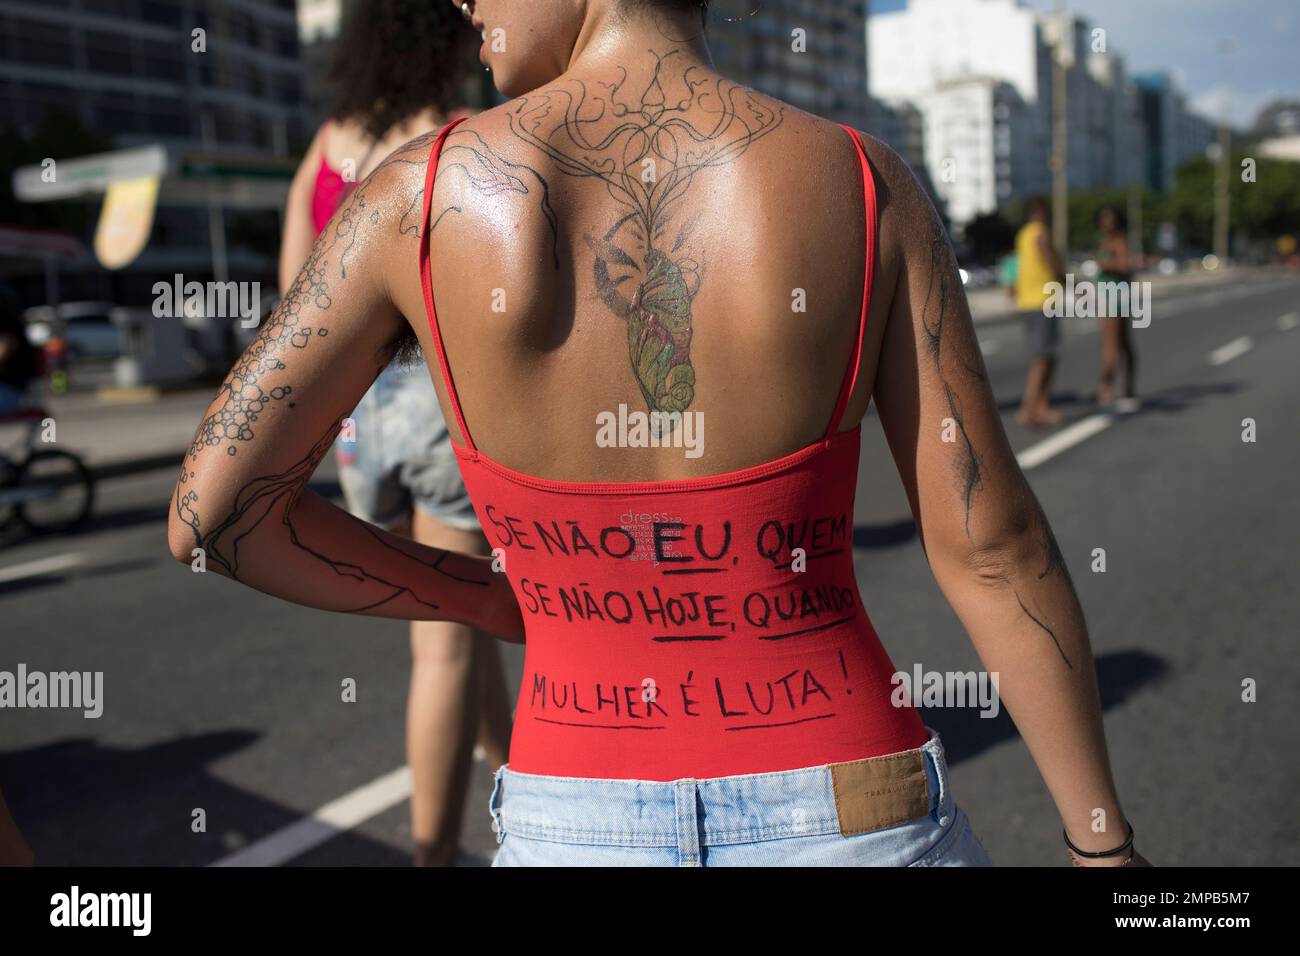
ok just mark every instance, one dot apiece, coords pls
pixel 1037 265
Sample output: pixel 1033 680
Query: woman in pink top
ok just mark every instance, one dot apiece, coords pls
pixel 399 70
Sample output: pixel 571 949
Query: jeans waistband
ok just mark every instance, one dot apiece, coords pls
pixel 721 810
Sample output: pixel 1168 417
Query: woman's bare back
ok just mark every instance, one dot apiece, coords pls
pixel 655 237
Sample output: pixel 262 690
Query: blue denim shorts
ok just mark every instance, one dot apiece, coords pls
pixel 788 818
pixel 401 456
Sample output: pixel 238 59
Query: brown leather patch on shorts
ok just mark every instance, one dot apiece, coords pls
pixel 880 792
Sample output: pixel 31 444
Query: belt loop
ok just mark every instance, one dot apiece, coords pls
pixel 494 807
pixel 688 823
pixel 939 766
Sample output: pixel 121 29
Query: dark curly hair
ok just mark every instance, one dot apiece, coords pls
pixel 395 58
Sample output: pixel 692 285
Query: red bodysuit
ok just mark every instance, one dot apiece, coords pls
pixel 694 628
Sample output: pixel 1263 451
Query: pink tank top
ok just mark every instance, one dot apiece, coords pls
pixel 330 189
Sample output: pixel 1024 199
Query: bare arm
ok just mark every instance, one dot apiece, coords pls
pixel 241 504
pixel 985 535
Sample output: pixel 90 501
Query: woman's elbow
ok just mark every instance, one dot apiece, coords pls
pixel 180 540
pixel 182 537
pixel 991 559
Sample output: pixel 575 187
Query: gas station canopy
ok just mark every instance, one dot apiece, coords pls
pixel 186 177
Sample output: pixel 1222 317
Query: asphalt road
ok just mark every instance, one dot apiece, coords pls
pixel 221 699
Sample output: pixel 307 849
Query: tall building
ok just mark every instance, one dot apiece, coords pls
pixel 1174 134
pixel 981 73
pixel 138 71
pixel 1117 118
pixel 1277 118
pixel 216 77
pixel 319 22
pixel 983 145
pixel 810 53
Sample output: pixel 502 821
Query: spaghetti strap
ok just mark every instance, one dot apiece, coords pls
pixel 426 282
pixel 869 202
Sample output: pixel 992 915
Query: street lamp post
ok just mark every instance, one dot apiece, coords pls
pixel 1221 196
pixel 1060 135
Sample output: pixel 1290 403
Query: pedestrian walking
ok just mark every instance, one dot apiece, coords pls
pixel 1115 266
pixel 1037 266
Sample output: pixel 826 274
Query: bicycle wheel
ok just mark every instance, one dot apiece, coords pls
pixel 58 491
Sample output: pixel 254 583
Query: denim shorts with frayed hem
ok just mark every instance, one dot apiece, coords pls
pixel 399 454
pixel 787 818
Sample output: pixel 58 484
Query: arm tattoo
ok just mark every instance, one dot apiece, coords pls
pixel 244 395
pixel 265 497
pixel 940 298
pixel 939 291
pixel 1047 630
pixel 491 174
pixel 962 357
pixel 968 465
pixel 292 327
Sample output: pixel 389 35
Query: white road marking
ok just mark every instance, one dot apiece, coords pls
pixel 1288 322
pixel 1226 353
pixel 33 569
pixel 1065 439
pixel 337 816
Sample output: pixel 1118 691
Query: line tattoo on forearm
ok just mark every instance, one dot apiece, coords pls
pixel 276 496
pixel 1047 630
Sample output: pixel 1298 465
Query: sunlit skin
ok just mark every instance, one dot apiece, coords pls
pixel 785 214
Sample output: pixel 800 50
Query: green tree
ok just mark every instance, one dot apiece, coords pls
pixel 1263 209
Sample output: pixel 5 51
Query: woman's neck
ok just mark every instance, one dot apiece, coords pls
pixel 609 36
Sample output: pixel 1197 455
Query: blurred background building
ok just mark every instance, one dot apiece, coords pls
pixel 1174 135
pixel 979 72
pixel 219 81
pixel 811 53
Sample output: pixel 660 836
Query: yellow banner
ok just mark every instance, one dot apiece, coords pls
pixel 125 221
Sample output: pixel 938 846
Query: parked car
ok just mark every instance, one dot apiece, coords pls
pixel 84 327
